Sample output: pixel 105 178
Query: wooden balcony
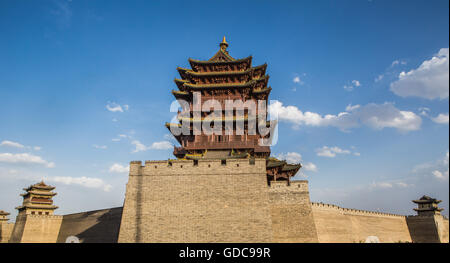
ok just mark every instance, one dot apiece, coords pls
pixel 221 146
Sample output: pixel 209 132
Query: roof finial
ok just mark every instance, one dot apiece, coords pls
pixel 224 44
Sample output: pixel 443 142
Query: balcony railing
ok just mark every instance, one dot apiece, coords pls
pixel 222 145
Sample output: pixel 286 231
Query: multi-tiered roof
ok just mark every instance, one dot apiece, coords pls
pixel 37 199
pixel 427 206
pixel 222 78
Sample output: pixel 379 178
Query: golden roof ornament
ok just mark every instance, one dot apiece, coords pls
pixel 223 45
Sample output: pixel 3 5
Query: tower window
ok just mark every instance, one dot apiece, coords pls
pixel 224 162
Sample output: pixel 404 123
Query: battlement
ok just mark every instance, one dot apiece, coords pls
pixel 187 167
pixel 351 211
pixel 293 186
pixel 44 216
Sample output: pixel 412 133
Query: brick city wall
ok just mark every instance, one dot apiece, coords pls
pixel 204 201
pixel 211 201
pixel 99 226
pixel 36 229
pixel 291 213
pixel 335 224
pixel 5 231
pixel 428 229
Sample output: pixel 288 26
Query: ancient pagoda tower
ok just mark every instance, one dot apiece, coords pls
pixel 224 78
pixel 35 222
pixel 427 206
pixel 38 200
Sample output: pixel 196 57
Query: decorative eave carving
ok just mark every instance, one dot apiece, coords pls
pixel 195 62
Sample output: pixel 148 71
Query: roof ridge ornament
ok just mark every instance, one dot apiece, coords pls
pixel 223 45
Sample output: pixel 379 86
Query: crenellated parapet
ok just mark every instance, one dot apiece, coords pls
pixel 202 166
pixel 59 217
pixel 350 211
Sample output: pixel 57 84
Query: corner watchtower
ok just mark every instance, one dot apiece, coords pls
pixel 38 200
pixel 427 206
pixel 4 216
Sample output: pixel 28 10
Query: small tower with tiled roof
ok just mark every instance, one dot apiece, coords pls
pixel 38 200
pixel 5 227
pixel 427 206
pixel 4 216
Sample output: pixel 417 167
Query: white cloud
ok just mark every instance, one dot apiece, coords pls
pixel 118 168
pixel 103 147
pixel 163 145
pixel 331 152
pixel 438 169
pixel 309 167
pixel 381 185
pixel 389 185
pixel 139 146
pixel 441 118
pixel 438 174
pixel 351 108
pixel 114 107
pixel 120 137
pixel 290 157
pixel 403 185
pixel 84 181
pixel 19 145
pixel 376 116
pixel 424 111
pixel 293 158
pixel 398 62
pixel 379 78
pixel 297 80
pixel 430 80
pixel 12 144
pixel 24 158
pixel 348 87
pixel 355 83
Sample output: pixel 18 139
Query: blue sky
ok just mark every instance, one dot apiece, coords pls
pixel 361 88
